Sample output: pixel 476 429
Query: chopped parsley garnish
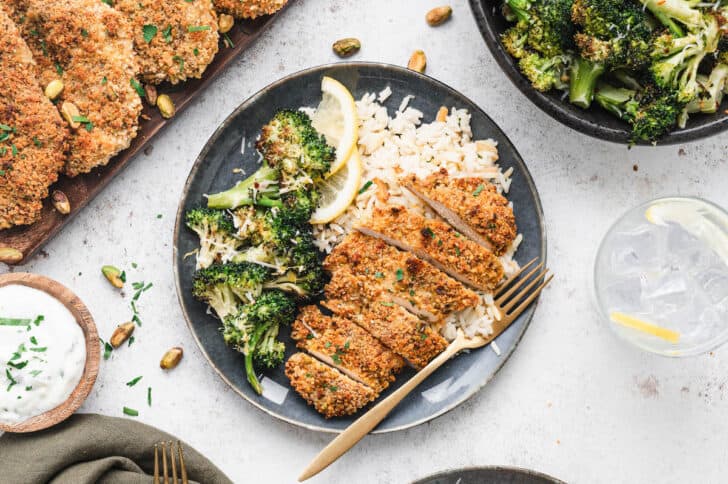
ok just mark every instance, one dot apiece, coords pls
pixel 423 336
pixel 427 232
pixel 5 127
pixel 197 28
pixel 107 349
pixel 149 31
pixel 336 358
pixel 196 51
pixel 227 40
pixel 131 412
pixel 33 340
pixel 134 381
pixel 38 320
pixel 84 33
pixel 14 322
pixel 387 303
pixel 365 187
pixel 85 121
pixel 14 150
pixel 122 276
pixel 167 34
pixel 149 396
pixel 479 189
pixel 59 69
pixel 399 274
pixel 310 336
pixel 37 142
pixel 39 350
pixel 36 372
pixel 457 250
pixel 18 366
pixel 180 61
pixel 108 2
pixel 10 379
pixel 137 87
pixel 327 344
pixel 333 388
pixel 378 275
pixel 136 319
pixel 131 341
pixel 104 80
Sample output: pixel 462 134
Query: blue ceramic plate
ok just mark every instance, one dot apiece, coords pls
pixel 489 475
pixel 213 172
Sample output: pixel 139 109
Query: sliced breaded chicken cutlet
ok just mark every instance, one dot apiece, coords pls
pixel 399 330
pixel 400 276
pixel 175 39
pixel 471 205
pixel 347 347
pixel 437 243
pixel 249 8
pixel 331 393
pixel 32 134
pixel 89 46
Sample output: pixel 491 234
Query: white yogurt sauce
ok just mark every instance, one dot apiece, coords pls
pixel 42 353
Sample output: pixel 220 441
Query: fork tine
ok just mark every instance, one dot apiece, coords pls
pixel 183 469
pixel 156 464
pixel 164 463
pixel 523 292
pixel 530 298
pixel 513 277
pixel 500 299
pixel 174 464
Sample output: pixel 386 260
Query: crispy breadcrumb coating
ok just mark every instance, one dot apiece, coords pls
pixel 437 243
pixel 249 8
pixel 174 39
pixel 32 134
pixel 346 346
pixel 90 48
pixel 472 205
pixel 331 393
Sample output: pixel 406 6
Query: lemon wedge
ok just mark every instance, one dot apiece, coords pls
pixel 644 326
pixel 338 191
pixel 338 120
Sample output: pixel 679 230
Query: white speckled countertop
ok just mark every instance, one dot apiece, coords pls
pixel 573 401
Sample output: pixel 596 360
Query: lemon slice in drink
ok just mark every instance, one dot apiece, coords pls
pixel 338 120
pixel 644 326
pixel 338 191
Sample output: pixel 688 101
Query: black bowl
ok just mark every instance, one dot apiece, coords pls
pixel 451 384
pixel 595 121
pixel 489 475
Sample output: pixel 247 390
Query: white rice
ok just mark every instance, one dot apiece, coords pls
pixel 394 146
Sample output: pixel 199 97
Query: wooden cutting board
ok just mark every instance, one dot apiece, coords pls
pixel 82 189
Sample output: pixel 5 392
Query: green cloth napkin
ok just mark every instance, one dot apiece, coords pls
pixel 87 449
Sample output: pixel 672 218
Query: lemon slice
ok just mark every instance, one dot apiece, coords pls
pixel 338 120
pixel 338 191
pixel 645 327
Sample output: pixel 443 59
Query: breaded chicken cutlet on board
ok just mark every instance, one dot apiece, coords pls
pixel 32 134
pixel 174 39
pixel 249 8
pixel 89 46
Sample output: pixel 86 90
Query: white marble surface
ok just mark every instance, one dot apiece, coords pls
pixel 572 401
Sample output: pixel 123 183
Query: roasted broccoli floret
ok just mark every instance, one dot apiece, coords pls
pixel 244 279
pixel 254 328
pixel 613 32
pixel 217 235
pixel 673 14
pixel 304 284
pixel 620 101
pixel 584 75
pixel 546 73
pixel 295 157
pixel 712 89
pixel 676 59
pixel 210 286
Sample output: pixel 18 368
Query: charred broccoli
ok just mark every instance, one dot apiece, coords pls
pixel 217 235
pixel 295 157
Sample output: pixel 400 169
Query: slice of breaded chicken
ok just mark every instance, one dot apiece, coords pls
pixel 471 205
pixel 331 393
pixel 437 243
pixel 347 347
pixel 175 39
pixel 90 46
pixel 249 8
pixel 32 134
pixel 400 276
pixel 399 330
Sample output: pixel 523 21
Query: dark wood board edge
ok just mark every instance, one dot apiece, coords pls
pixel 82 189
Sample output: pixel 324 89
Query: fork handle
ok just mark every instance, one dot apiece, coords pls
pixel 366 423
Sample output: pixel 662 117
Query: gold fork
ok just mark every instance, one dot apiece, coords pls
pixel 165 475
pixel 509 304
